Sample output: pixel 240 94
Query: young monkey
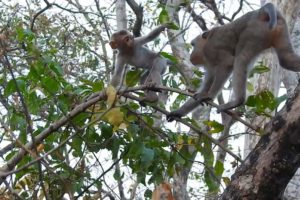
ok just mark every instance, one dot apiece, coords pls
pixel 231 48
pixel 131 51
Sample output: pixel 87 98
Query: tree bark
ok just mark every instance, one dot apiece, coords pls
pixel 272 163
pixel 289 80
pixel 121 14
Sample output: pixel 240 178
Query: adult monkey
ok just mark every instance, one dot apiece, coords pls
pixel 131 51
pixel 231 48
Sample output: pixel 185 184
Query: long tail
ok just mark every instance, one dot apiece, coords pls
pixel 270 9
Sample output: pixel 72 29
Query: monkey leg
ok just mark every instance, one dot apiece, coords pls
pixel 154 78
pixel 221 76
pixel 288 59
pixel 239 79
pixel 150 96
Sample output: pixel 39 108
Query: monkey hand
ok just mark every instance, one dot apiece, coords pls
pixel 201 98
pixel 173 115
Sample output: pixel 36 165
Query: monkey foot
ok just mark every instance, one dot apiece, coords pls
pixel 202 99
pixel 219 110
pixel 149 99
pixel 172 116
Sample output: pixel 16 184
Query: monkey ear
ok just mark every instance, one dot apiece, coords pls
pixel 127 38
pixel 113 44
pixel 205 34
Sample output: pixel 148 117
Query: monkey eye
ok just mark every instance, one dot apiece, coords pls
pixel 193 43
pixel 205 34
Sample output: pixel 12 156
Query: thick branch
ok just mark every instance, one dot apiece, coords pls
pixel 138 11
pixel 269 167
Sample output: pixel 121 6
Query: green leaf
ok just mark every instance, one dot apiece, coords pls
pixel 135 149
pixel 17 122
pixel 133 77
pixel 149 120
pixel 196 82
pixel 115 148
pixel 219 168
pixel 51 85
pixel 210 182
pixel 11 86
pixel 251 101
pixel 141 176
pixel 169 56
pixel 148 194
pixel 76 145
pixel 259 69
pixel 173 26
pixel 64 102
pixel 96 85
pixel 207 152
pixel 118 176
pixel 56 68
pixel 262 102
pixel 198 73
pixel 163 17
pixel 250 87
pixel 80 119
pixel 215 127
pixel 106 130
pixel 268 99
pixel 33 102
pixel 147 156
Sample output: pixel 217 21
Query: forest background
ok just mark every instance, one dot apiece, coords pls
pixel 66 135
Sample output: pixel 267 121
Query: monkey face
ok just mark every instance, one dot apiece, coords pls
pixel 197 56
pixel 121 40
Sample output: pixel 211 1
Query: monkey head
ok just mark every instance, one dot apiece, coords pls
pixel 121 40
pixel 197 55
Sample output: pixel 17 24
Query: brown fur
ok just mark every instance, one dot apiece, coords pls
pixel 231 48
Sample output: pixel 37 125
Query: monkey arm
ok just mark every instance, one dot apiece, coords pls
pixel 118 73
pixel 151 36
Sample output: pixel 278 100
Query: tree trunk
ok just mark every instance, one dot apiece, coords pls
pixel 272 163
pixel 289 80
pixel 121 14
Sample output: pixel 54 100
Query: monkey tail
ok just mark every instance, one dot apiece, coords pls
pixel 270 9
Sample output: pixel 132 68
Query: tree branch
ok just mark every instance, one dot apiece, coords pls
pixel 138 11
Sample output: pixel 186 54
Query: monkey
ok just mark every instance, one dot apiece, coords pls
pixel 131 51
pixel 231 49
